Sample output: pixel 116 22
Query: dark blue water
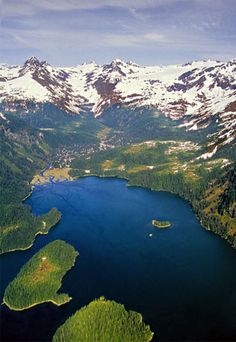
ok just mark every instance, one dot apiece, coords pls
pixel 182 279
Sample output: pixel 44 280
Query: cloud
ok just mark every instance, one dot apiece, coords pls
pixel 48 38
pixel 30 7
pixel 129 40
pixel 44 38
pixel 191 28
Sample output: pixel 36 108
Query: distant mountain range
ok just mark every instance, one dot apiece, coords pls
pixel 199 93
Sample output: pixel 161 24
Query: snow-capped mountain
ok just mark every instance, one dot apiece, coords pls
pixel 199 92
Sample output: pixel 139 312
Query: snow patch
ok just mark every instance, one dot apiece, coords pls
pixel 208 155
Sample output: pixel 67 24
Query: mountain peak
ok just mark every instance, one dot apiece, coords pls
pixel 133 64
pixel 32 61
pixel 32 64
pixel 117 61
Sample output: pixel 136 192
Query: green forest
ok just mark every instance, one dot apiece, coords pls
pixel 19 226
pixel 102 321
pixel 40 278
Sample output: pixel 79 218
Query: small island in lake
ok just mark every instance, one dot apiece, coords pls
pixel 40 278
pixel 104 320
pixel 161 224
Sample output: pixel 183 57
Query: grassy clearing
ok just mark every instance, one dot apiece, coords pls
pixel 101 135
pixel 139 168
pixel 107 164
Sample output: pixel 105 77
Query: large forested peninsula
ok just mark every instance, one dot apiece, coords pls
pixel 102 321
pixel 40 278
pixel 19 226
pixel 23 151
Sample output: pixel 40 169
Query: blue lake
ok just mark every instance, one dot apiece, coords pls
pixel 182 279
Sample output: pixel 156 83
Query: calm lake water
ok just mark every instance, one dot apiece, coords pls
pixel 182 280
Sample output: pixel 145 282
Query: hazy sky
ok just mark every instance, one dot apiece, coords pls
pixel 70 32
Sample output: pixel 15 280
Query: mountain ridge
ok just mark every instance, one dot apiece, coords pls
pixel 199 92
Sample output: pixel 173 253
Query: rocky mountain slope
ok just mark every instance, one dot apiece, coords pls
pixel 199 93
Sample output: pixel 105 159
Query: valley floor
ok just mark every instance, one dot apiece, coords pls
pixel 52 174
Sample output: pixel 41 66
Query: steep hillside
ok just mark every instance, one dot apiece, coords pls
pixel 23 151
pixel 219 202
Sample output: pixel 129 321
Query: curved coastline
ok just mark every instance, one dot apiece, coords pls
pixel 55 294
pixel 40 232
pixel 207 228
pixel 29 246
pixel 104 320
pixel 73 178
pixel 34 304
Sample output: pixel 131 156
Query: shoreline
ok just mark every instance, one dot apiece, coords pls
pixel 37 233
pixel 206 228
pixel 73 178
pixel 28 247
pixel 160 225
pixel 27 196
pixel 40 232
pixel 53 301
pixel 51 175
pixel 34 304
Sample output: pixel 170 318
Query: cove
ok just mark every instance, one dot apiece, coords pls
pixel 182 280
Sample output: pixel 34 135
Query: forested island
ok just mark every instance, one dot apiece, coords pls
pixel 102 321
pixel 40 278
pixel 161 224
